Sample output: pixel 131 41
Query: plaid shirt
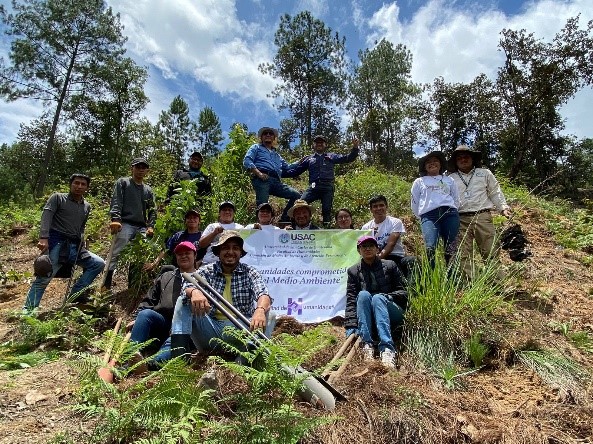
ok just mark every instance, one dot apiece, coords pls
pixel 247 285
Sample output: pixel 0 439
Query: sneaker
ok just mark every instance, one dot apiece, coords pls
pixel 388 358
pixel 368 352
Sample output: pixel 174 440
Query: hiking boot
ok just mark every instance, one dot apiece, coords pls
pixel 388 358
pixel 368 352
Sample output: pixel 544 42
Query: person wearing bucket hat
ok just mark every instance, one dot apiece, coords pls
pixel 320 165
pixel 226 221
pixel 191 233
pixel 301 214
pixel 264 215
pixel 239 283
pixel 434 201
pixel 375 301
pixel 266 167
pixel 152 319
pixel 61 243
pixel 192 172
pixel 132 212
pixel 479 195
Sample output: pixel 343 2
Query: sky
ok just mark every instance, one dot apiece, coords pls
pixel 208 51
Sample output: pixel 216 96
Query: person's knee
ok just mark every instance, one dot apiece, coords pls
pixel 364 298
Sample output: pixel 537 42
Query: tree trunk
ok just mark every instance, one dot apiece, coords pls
pixel 54 127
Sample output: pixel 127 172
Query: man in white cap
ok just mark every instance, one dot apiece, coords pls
pixel 267 167
pixel 479 195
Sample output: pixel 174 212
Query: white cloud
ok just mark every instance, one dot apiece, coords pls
pixel 460 44
pixel 12 114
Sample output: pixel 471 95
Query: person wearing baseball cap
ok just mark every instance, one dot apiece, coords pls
pixel 266 167
pixel 226 221
pixel 192 172
pixel 191 234
pixel 321 165
pixel 264 215
pixel 479 195
pixel 195 320
pixel 375 301
pixel 152 319
pixel 132 212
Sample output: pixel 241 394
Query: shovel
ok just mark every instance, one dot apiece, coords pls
pixel 316 390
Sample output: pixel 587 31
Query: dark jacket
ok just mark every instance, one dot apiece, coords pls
pixel 387 280
pixel 203 183
pixel 320 166
pixel 163 294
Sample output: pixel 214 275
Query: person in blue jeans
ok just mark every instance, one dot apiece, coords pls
pixel 195 320
pixel 267 167
pixel 320 165
pixel 154 314
pixel 63 220
pixel 435 199
pixel 375 301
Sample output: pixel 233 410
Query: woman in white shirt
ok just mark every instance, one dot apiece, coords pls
pixel 435 200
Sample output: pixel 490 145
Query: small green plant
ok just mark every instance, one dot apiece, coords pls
pixel 266 411
pixel 557 371
pixel 449 373
pixel 476 350
pixel 13 361
pixel 581 340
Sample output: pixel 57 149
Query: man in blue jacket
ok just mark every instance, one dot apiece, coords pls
pixel 267 167
pixel 321 174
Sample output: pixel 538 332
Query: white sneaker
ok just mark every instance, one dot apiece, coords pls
pixel 368 352
pixel 388 358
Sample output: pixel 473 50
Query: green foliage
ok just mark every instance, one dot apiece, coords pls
pixel 166 406
pixel 209 132
pixel 267 413
pixel 557 371
pixel 10 361
pixel 475 349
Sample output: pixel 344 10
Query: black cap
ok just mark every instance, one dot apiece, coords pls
pixel 140 161
pixel 192 211
pixel 196 154
pixel 264 205
pixel 319 137
pixel 227 203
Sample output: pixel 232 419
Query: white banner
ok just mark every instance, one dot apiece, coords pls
pixel 305 271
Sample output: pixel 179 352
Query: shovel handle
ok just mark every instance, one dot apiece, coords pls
pixel 339 354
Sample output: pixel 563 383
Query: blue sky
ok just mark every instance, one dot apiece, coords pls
pixel 208 51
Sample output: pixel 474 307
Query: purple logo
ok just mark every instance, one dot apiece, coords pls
pixel 296 306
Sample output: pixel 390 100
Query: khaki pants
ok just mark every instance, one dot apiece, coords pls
pixel 478 228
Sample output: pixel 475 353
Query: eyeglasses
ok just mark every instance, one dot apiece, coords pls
pixel 267 133
pixel 367 246
pixel 344 217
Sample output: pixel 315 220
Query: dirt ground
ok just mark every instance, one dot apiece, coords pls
pixel 505 402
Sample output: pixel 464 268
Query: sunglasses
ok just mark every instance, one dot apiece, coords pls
pixel 267 133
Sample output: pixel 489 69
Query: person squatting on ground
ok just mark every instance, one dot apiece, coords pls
pixel 154 314
pixel 264 215
pixel 226 221
pixel 479 194
pixel 194 172
pixel 132 211
pixel 375 301
pixel 267 167
pixel 435 200
pixel 388 231
pixel 242 285
pixel 301 215
pixel 61 232
pixel 191 234
pixel 320 165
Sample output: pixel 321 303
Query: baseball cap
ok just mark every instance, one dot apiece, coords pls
pixel 185 245
pixel 191 211
pixel 362 239
pixel 140 161
pixel 226 203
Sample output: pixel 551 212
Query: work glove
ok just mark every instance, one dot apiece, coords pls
pixel 351 331
pixel 114 227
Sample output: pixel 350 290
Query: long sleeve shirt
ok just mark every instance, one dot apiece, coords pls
pixel 132 203
pixel 267 159
pixel 64 214
pixel 430 192
pixel 320 166
pixel 163 294
pixel 478 190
